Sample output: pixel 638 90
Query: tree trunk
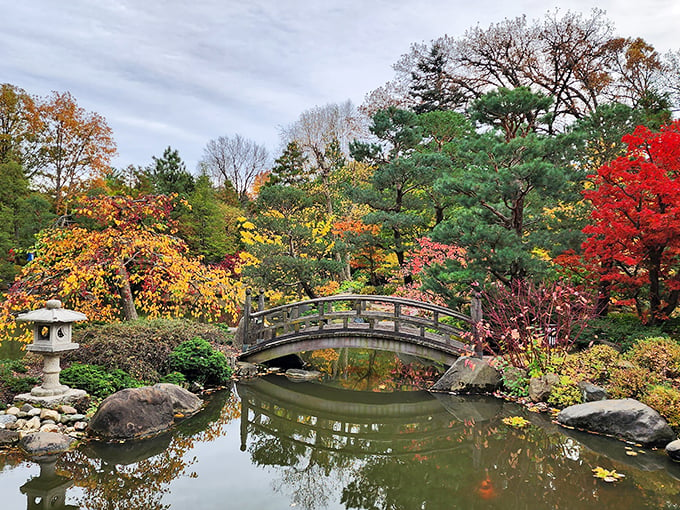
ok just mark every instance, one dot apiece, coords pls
pixel 128 303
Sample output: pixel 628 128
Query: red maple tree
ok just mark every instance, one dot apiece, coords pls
pixel 634 237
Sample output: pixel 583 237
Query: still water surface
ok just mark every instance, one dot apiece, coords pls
pixel 274 444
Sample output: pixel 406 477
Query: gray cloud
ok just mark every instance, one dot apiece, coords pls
pixel 180 73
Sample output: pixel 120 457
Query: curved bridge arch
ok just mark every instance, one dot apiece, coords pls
pixel 375 322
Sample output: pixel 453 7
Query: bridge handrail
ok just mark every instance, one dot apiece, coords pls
pixel 363 297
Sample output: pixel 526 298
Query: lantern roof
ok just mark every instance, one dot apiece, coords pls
pixel 52 313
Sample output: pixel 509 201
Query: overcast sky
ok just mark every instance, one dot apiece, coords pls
pixel 180 73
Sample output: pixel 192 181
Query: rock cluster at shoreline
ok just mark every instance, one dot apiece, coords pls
pixel 17 422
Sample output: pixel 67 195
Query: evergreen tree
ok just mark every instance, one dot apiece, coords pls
pixel 169 174
pixel 204 226
pixel 397 193
pixel 290 167
pixel 432 85
pixel 507 178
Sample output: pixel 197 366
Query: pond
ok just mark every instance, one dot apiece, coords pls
pixel 273 444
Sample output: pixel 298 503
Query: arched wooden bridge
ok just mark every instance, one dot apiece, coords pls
pixel 374 322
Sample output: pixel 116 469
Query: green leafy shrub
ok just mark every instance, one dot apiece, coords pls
pixel 621 329
pixel 593 364
pixel 96 380
pixel 174 378
pixel 565 393
pixel 660 355
pixel 666 402
pixel 140 348
pixel 11 381
pixel 630 381
pixel 515 380
pixel 200 362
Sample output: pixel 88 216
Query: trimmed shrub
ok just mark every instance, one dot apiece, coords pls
pixel 660 355
pixel 96 380
pixel 200 362
pixel 592 365
pixel 174 378
pixel 140 348
pixel 666 402
pixel 630 382
pixel 565 393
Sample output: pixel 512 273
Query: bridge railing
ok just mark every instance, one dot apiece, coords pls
pixel 352 312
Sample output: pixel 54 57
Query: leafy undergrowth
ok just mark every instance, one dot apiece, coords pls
pixel 18 376
pixel 141 348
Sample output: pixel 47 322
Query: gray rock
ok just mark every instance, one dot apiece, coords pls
pixel 591 392
pixel 245 370
pixel 136 412
pixel 80 425
pixel 70 418
pixel 541 387
pixel 45 443
pixel 19 424
pixel 183 401
pixel 297 375
pixel 469 375
pixel 6 419
pixel 8 438
pixel 673 450
pixel 625 419
pixel 27 408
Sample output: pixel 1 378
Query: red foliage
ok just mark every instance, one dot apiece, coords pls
pixel 531 322
pixel 634 237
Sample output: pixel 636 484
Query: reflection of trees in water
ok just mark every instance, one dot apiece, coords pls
pixel 136 475
pixel 442 462
pixel 371 370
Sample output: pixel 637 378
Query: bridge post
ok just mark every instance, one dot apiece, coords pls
pixel 476 319
pixel 260 301
pixel 246 319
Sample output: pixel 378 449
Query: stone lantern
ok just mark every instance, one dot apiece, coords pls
pixel 51 338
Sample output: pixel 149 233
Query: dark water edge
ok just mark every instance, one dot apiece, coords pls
pixel 273 444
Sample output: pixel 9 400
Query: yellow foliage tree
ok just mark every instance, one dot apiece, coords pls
pixel 120 257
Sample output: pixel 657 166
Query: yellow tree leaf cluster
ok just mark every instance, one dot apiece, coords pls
pixel 122 257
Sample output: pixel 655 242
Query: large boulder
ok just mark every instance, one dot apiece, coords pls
pixel 469 375
pixel 183 401
pixel 625 419
pixel 541 387
pixel 673 450
pixel 139 412
pixel 591 392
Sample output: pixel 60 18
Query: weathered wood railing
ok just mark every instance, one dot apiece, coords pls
pixel 351 315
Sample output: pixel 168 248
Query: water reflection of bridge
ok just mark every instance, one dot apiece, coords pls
pixel 357 423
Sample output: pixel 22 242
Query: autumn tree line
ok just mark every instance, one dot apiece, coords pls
pixel 527 151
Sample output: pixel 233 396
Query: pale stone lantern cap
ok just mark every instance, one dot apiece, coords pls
pixel 52 313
